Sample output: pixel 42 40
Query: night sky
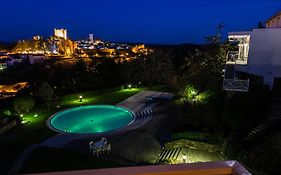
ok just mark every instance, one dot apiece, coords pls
pixel 148 21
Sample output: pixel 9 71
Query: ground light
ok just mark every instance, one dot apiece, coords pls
pixel 80 98
pixel 22 120
pixel 130 86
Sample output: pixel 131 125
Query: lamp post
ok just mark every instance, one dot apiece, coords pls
pixel 80 98
pixel 130 86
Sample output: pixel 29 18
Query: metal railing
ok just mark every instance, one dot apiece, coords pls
pixel 236 85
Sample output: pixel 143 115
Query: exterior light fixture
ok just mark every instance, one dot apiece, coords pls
pixel 80 98
pixel 130 86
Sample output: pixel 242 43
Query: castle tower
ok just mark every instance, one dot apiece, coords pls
pixel 62 33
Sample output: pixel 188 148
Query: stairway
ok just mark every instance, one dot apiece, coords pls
pixel 273 118
pixel 168 154
pixel 141 118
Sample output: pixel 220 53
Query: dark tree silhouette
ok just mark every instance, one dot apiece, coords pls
pixel 204 67
pixel 155 68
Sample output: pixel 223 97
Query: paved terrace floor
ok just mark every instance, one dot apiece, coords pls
pixel 138 102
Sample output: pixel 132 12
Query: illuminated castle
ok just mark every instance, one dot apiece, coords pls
pixel 61 33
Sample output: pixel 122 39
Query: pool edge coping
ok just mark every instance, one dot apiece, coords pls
pixel 49 126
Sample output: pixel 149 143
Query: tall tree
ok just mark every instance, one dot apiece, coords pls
pixel 23 104
pixel 204 67
pixel 46 93
pixel 155 68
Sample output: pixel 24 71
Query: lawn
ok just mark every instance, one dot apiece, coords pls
pixel 98 97
pixel 195 151
pixel 35 131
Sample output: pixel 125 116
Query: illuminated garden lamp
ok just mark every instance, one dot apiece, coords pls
pixel 81 98
pixel 130 86
pixel 21 115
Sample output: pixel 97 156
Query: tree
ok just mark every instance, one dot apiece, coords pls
pixel 261 25
pixel 109 73
pixel 204 67
pixel 3 47
pixel 155 68
pixel 23 104
pixel 46 92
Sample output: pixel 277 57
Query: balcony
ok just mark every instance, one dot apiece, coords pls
pixel 236 85
pixel 235 57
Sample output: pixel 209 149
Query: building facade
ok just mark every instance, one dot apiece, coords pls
pixel 255 53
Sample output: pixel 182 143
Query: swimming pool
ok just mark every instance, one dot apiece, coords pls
pixel 91 119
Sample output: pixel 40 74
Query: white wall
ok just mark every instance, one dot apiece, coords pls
pixel 264 54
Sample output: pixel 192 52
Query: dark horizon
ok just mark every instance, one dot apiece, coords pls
pixel 158 22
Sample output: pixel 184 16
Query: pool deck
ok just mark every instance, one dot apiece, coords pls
pixel 138 102
pixel 135 103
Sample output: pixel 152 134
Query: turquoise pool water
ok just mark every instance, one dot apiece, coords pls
pixel 91 119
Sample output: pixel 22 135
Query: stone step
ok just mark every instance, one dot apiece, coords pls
pixel 276 107
pixel 276 118
pixel 169 154
pixel 275 115
pixel 261 128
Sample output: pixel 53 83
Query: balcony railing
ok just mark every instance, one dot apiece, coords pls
pixel 236 85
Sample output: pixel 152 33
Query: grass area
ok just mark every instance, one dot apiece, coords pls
pixel 195 151
pixel 15 140
pixel 198 136
pixel 96 97
pixel 53 160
